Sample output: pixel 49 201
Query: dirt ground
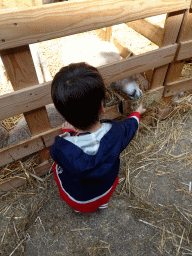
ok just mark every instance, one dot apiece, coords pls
pixel 150 213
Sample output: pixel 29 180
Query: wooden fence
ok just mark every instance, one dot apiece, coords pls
pixel 19 28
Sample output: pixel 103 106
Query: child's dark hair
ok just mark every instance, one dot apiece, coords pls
pixel 77 91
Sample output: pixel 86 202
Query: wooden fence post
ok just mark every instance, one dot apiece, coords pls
pixel 185 34
pixel 172 27
pixel 20 68
pixel 106 34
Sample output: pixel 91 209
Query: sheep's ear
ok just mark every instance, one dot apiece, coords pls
pixel 130 55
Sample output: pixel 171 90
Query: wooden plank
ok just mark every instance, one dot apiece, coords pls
pixel 21 179
pixel 149 75
pixel 39 95
pixel 21 149
pixel 100 33
pixel 138 64
pixel 105 35
pixel 123 51
pixel 174 72
pixel 157 92
pixel 28 146
pixel 20 68
pixel 112 112
pixel 108 34
pixel 186 29
pixel 172 27
pixel 185 51
pixel 22 27
pixel 185 34
pixel 12 184
pixel 151 31
pixel 19 65
pixel 177 87
pixel 24 100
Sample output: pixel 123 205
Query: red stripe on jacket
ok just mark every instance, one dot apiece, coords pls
pixel 84 207
pixel 137 114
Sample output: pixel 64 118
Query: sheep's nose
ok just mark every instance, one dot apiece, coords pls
pixel 133 94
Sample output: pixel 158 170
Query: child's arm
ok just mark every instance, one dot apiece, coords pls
pixel 130 126
pixel 138 112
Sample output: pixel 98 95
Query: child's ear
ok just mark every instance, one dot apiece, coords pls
pixel 103 106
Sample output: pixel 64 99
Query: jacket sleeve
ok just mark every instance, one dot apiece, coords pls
pixel 128 129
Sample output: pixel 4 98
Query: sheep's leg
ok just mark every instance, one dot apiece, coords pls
pixel 40 63
pixel 44 67
pixel 2 73
pixel 35 56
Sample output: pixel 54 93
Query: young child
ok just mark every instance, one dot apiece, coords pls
pixel 86 155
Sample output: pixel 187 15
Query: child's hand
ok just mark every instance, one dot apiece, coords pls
pixel 140 109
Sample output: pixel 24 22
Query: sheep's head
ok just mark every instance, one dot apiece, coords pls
pixel 129 86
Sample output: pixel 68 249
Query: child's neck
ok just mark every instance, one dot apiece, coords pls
pixel 93 128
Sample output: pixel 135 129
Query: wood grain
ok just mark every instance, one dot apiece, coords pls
pixel 185 51
pixel 123 51
pixel 172 27
pixel 151 31
pixel 186 29
pixel 185 34
pixel 24 100
pixel 21 149
pixel 138 64
pixel 20 68
pixel 37 96
pixel 22 27
pixel 177 87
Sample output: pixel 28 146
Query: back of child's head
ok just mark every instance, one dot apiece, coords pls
pixel 77 91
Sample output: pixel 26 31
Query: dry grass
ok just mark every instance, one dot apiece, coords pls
pixel 10 123
pixel 24 166
pixel 153 146
pixel 152 151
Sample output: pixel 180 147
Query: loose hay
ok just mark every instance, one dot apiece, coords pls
pixel 150 102
pixel 145 154
pixel 19 167
pixel 149 154
pixel 10 123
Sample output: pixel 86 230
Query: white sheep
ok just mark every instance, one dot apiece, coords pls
pixel 97 53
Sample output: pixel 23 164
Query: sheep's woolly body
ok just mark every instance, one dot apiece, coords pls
pixel 90 50
pixel 98 53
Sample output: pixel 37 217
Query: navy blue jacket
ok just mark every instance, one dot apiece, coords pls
pixel 84 176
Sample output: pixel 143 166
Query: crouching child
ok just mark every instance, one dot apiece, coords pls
pixel 87 153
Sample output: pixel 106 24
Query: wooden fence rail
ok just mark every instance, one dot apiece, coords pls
pixel 37 96
pixel 36 24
